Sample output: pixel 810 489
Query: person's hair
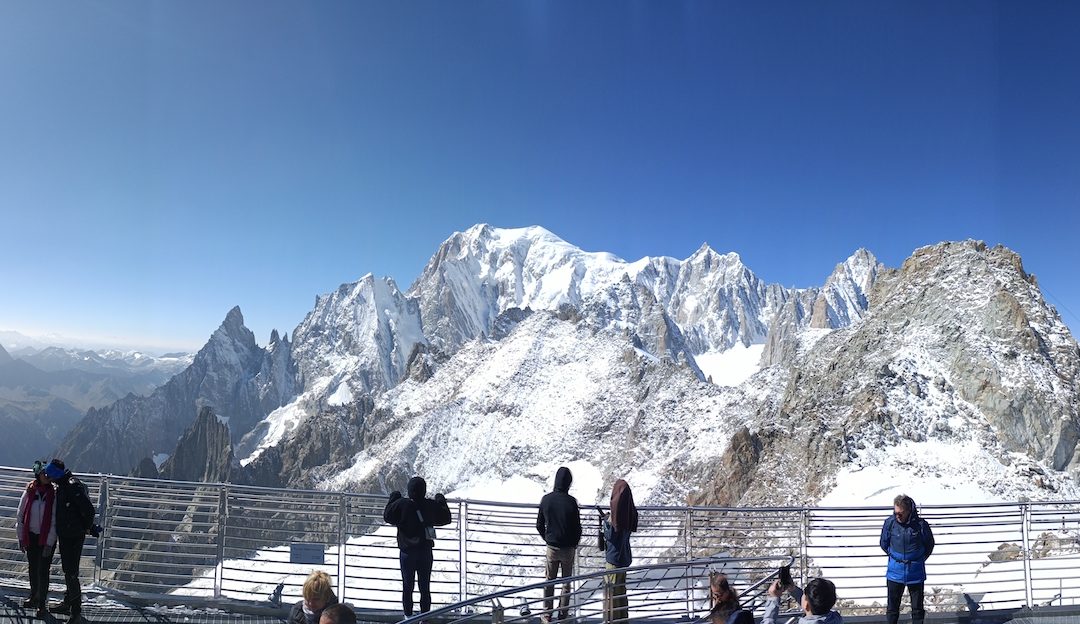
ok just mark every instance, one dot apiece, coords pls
pixel 339 614
pixel 722 594
pixel 905 501
pixel 317 587
pixel 821 594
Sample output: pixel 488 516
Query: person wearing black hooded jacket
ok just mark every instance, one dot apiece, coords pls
pixel 415 518
pixel 559 522
pixel 74 520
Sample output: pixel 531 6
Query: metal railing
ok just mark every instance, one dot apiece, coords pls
pixel 217 542
pixel 659 592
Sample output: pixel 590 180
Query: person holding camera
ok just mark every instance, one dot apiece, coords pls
pixel 74 521
pixel 35 526
pixel 817 601
pixel 558 521
pixel 416 518
pixel 908 541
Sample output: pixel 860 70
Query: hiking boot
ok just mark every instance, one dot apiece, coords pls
pixel 29 602
pixel 41 613
pixel 62 608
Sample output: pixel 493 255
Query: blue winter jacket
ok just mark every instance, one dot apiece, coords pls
pixel 618 551
pixel 908 545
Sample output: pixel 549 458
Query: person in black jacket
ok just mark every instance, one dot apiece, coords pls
pixel 74 520
pixel 416 518
pixel 559 522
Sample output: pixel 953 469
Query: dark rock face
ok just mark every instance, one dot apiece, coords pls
pixel 204 453
pixel 322 445
pixel 231 373
pixel 735 473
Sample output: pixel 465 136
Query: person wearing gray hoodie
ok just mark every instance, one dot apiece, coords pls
pixel 817 602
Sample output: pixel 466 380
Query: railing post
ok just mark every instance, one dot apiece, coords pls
pixel 1025 527
pixel 687 540
pixel 223 515
pixel 343 536
pixel 463 550
pixel 804 538
pixel 103 514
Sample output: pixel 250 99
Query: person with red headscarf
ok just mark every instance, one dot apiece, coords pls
pixel 619 524
pixel 35 525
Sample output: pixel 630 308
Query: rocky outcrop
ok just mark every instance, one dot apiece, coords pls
pixel 231 373
pixel 322 446
pixel 957 344
pixel 203 454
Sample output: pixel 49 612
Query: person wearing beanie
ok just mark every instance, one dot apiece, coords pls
pixel 35 526
pixel 74 519
pixel 416 518
pixel 559 522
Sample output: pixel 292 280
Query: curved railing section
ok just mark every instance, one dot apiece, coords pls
pixel 659 592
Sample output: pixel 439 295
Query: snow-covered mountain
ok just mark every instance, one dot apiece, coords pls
pixel 515 352
pixel 157 368
pixel 951 372
pixel 359 338
pixel 714 299
pixel 44 393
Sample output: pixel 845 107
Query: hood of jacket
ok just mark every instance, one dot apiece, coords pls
pixel 832 617
pixel 563 479
pixel 417 488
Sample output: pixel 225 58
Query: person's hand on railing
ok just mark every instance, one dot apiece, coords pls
pixel 394 495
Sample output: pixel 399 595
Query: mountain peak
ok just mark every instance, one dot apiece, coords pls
pixel 5 357
pixel 232 329
pixel 235 317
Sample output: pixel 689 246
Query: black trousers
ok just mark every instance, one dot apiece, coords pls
pixel 71 547
pixel 416 564
pixel 39 559
pixel 896 593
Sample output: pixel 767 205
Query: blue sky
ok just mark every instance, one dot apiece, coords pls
pixel 161 162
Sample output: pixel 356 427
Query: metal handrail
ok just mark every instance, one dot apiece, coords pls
pixel 463 611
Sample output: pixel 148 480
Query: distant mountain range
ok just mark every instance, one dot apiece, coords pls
pixel 44 393
pixel 515 351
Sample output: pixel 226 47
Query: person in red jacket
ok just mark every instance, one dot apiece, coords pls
pixel 35 525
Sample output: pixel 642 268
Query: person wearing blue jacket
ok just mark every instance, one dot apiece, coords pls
pixel 618 525
pixel 907 540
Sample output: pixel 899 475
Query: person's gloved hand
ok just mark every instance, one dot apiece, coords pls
pixel 439 498
pixel 394 495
